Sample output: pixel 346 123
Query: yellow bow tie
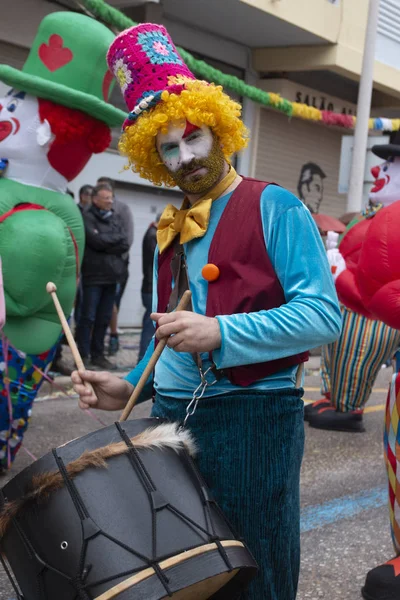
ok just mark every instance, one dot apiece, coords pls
pixel 190 221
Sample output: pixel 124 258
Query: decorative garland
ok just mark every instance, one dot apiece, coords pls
pixel 116 19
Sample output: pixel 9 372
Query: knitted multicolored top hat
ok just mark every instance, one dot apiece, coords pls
pixel 145 62
pixel 159 88
pixel 67 64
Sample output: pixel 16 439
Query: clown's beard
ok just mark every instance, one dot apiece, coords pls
pixel 200 184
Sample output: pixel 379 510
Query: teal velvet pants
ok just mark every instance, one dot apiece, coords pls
pixel 250 452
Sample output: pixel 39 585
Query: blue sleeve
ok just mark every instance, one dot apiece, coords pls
pixel 136 373
pixel 311 316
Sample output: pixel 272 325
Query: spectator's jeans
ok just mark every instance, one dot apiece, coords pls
pixel 147 326
pixel 78 304
pixel 120 290
pixel 96 310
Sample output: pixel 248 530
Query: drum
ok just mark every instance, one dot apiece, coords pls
pixel 120 513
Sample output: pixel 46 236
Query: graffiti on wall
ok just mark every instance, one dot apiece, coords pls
pixel 310 186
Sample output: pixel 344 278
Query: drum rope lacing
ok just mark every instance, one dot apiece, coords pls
pixel 91 530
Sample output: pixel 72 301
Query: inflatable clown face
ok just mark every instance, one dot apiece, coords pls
pixel 386 189
pixel 21 130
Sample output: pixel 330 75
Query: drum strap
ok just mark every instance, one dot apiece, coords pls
pixel 180 276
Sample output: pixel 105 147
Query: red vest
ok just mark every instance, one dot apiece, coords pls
pixel 247 281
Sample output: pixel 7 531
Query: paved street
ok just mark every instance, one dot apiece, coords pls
pixel 345 526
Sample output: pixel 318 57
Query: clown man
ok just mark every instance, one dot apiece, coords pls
pixel 262 295
pixel 53 118
pixel 369 338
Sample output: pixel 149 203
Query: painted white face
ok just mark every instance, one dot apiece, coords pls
pixel 184 143
pixel 386 189
pixel 21 131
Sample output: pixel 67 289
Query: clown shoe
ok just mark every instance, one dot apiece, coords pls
pixel 328 417
pixel 383 582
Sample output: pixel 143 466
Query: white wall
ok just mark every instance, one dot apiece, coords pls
pixel 107 164
pixel 144 203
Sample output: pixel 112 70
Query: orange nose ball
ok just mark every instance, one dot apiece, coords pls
pixel 210 272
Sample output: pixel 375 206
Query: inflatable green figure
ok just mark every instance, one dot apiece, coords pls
pixel 53 118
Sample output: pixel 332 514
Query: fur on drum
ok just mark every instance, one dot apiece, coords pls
pixel 167 435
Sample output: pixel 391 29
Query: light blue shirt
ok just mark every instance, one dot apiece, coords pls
pixel 310 318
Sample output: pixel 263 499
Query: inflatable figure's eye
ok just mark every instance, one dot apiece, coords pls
pixel 12 105
pixel 385 168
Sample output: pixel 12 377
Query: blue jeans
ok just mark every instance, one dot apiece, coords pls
pixel 96 310
pixel 120 290
pixel 147 325
pixel 78 303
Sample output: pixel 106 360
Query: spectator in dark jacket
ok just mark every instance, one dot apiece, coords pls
pixel 148 247
pixel 125 212
pixel 102 269
pixel 85 202
pixel 85 198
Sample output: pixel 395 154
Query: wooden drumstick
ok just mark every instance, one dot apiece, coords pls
pixel 152 363
pixel 51 288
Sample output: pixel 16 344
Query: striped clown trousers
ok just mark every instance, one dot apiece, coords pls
pixel 391 444
pixel 350 365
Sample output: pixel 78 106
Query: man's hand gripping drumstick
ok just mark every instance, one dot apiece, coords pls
pixel 184 301
pixel 51 289
pixel 111 392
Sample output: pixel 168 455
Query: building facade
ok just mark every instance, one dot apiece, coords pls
pixel 308 51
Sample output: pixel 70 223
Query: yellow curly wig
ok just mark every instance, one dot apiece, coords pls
pixel 199 103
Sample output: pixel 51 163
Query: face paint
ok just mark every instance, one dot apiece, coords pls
pixel 25 141
pixel 192 156
pixel 182 143
pixel 189 129
pixel 386 189
pixel 18 119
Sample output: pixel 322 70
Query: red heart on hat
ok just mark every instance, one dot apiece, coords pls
pixel 53 55
pixel 107 81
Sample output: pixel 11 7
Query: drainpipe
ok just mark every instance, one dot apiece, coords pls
pixel 354 199
pixel 250 113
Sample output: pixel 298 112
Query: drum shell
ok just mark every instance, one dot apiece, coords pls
pixel 112 502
